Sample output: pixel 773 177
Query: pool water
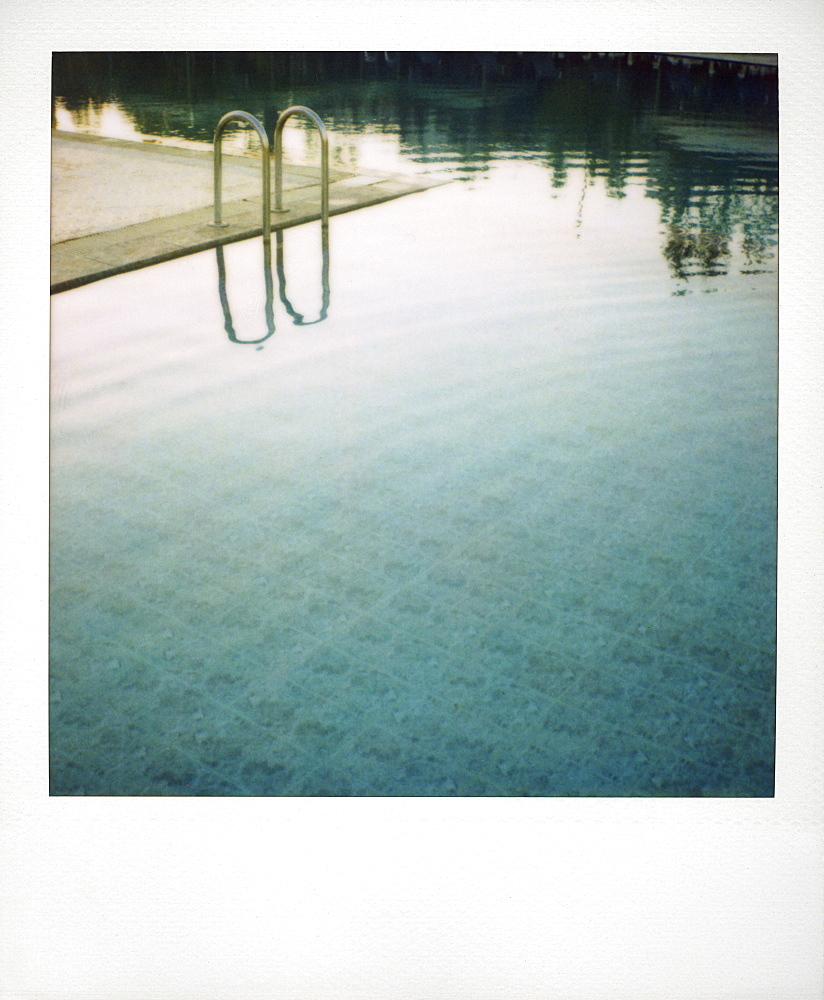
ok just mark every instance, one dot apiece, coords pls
pixel 502 524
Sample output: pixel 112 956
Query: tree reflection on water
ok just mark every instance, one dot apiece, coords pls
pixel 701 137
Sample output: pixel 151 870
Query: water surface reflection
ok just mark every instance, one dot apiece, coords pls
pixel 702 144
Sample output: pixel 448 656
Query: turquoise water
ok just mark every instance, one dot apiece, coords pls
pixel 503 523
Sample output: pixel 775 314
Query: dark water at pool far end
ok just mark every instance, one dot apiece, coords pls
pixel 503 523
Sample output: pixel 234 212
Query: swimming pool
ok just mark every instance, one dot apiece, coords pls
pixel 503 523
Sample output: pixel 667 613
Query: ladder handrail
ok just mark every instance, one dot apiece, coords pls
pixel 298 109
pixel 264 143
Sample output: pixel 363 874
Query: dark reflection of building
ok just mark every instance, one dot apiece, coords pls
pixel 676 79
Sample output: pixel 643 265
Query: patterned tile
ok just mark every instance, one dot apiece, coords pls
pixel 387 556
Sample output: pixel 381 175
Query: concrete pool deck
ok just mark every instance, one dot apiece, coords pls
pixel 118 205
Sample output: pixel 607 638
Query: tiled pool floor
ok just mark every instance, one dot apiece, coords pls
pixel 391 558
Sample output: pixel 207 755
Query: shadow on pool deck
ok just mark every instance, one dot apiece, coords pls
pixel 119 205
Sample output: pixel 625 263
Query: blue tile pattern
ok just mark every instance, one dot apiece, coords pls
pixel 497 541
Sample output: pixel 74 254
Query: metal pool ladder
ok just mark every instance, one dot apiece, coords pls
pixel 243 116
pixel 298 109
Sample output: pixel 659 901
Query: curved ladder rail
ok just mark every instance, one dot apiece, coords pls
pixel 242 116
pixel 297 318
pixel 269 310
pixel 298 109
